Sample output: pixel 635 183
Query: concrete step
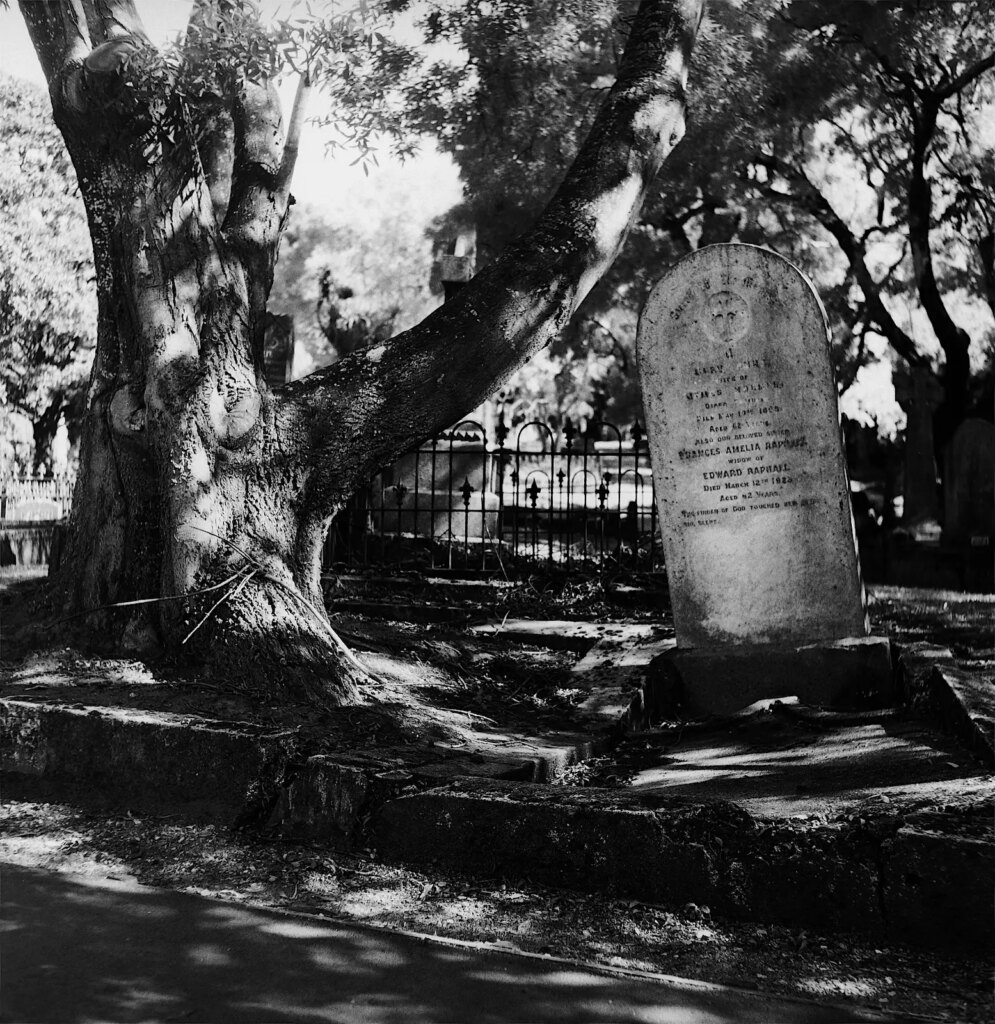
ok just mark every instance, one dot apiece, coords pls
pixel 705 829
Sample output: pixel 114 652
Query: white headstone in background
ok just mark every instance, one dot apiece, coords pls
pixel 60 449
pixel 744 431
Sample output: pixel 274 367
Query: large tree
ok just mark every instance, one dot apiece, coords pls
pixel 197 481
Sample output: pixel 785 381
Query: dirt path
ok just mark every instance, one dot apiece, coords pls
pixel 164 955
pixel 246 871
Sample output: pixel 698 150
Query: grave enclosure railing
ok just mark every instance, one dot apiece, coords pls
pixel 469 502
pixel 507 502
pixel 36 497
pixel 31 509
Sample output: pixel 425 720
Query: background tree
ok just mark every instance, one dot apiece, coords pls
pixel 200 487
pixel 351 284
pixel 47 306
pixel 853 137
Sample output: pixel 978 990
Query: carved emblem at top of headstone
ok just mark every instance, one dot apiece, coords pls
pixel 727 317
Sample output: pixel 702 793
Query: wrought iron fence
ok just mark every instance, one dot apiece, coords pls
pixel 470 502
pixel 30 509
pixel 473 501
pixel 36 498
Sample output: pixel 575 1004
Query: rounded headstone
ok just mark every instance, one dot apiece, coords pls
pixel 744 430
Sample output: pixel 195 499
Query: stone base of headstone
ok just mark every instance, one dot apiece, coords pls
pixel 853 672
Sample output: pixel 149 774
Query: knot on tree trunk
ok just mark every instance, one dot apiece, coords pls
pixel 124 77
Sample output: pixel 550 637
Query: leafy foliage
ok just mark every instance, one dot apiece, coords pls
pixel 346 51
pixel 801 112
pixel 47 306
pixel 348 285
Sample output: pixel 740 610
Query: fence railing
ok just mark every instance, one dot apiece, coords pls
pixel 473 501
pixel 36 498
pixel 30 509
pixel 469 502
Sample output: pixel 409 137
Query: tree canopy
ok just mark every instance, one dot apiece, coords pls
pixel 853 137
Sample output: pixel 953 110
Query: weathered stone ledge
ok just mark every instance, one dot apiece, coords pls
pixel 962 702
pixel 891 873
pixel 875 876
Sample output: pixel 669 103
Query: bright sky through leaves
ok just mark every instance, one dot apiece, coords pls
pixel 430 180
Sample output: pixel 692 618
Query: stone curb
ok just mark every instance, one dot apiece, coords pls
pixel 150 758
pixel 966 706
pixel 874 877
pixel 236 771
pixel 962 702
pixel 889 876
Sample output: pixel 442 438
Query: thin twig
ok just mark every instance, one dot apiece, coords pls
pixel 147 600
pixel 322 619
pixel 224 540
pixel 224 597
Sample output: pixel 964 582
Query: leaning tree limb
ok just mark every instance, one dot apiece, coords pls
pixel 396 394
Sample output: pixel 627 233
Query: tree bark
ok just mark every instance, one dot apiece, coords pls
pixel 204 494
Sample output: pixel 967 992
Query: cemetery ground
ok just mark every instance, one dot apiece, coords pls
pixel 843 857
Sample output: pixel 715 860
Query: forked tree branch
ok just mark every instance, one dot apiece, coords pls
pixel 79 64
pixel 804 195
pixel 960 82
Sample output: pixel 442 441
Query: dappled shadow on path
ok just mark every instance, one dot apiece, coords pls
pixel 78 949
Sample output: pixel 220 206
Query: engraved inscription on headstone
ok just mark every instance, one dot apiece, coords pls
pixel 743 424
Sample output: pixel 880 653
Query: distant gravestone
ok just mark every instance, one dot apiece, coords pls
pixel 751 484
pixel 919 393
pixel 970 484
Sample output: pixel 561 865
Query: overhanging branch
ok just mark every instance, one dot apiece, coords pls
pixel 391 396
pixel 804 195
pixel 960 82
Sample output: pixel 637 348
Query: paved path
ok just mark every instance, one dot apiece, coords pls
pixel 81 949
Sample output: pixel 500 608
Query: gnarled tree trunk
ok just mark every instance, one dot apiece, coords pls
pixel 203 492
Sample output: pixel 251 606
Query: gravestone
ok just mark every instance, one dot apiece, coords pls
pixel 439 493
pixel 970 485
pixel 918 392
pixel 751 484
